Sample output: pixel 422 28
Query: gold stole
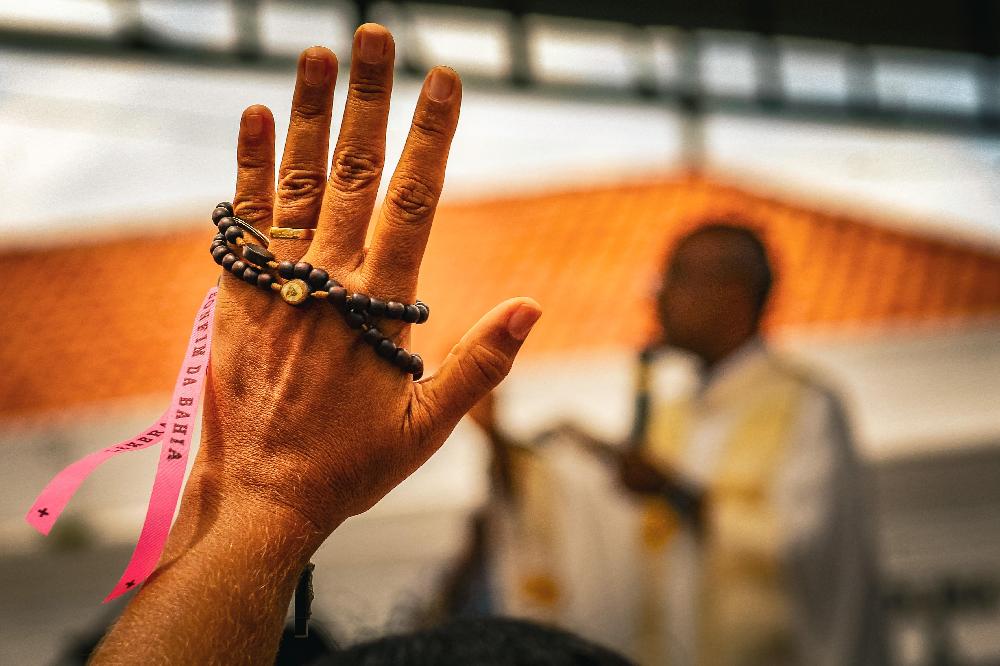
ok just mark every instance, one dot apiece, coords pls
pixel 743 618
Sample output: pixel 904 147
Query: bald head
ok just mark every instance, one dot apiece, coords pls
pixel 715 288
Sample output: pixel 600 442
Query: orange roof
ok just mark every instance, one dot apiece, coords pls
pixel 85 323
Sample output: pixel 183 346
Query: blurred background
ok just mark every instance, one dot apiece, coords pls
pixel 864 138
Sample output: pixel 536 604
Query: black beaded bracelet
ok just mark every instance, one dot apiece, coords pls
pixel 297 282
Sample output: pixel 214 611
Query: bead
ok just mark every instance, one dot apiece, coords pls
pixel 376 307
pixel 225 204
pixel 218 253
pixel 295 292
pixel 238 267
pixel 355 319
pixel 416 366
pixel 257 255
pixel 394 310
pixel 358 302
pixel 338 296
pixel 228 261
pixel 286 269
pixel 330 284
pixel 265 280
pixel 372 336
pixel 220 213
pixel 402 359
pixel 318 278
pixel 250 275
pixel 386 349
pixel 233 233
pixel 219 238
pixel 425 312
pixel 225 223
pixel 411 313
pixel 302 270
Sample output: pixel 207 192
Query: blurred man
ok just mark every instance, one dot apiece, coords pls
pixel 756 547
pixel 741 537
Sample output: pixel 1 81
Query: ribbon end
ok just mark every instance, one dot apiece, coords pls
pixel 41 526
pixel 121 587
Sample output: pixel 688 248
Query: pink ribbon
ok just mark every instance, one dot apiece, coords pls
pixel 174 429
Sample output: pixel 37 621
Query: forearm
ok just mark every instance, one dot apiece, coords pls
pixel 221 591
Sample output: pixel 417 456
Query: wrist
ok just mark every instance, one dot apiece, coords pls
pixel 218 509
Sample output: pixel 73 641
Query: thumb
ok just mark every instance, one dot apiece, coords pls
pixel 479 361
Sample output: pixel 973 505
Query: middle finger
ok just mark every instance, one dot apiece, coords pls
pixel 360 153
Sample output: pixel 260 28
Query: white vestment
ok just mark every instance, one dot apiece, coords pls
pixel 825 554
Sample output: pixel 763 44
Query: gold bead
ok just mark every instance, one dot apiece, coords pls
pixel 295 291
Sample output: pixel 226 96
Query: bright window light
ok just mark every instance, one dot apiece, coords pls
pixel 468 40
pixel 668 56
pixel 208 24
pixel 813 71
pixel 727 63
pixel 570 51
pixel 926 80
pixel 87 17
pixel 289 27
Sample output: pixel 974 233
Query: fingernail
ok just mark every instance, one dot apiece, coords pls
pixel 372 46
pixel 440 85
pixel 254 123
pixel 520 323
pixel 315 71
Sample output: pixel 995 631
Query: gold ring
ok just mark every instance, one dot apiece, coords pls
pixel 292 232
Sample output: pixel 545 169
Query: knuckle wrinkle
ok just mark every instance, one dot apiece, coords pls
pixel 412 199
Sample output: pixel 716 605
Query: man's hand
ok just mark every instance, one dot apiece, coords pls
pixel 300 414
pixel 303 424
pixel 639 476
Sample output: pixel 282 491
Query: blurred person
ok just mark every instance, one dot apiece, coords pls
pixel 742 535
pixel 756 535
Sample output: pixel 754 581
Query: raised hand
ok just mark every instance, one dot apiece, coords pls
pixel 299 413
pixel 303 424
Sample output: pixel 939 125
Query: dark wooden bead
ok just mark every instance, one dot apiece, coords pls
pixel 285 269
pixel 386 349
pixel 238 267
pixel 219 238
pixel 411 313
pixel 225 223
pixel 355 319
pixel 376 307
pixel 331 283
pixel 402 359
pixel 218 253
pixel 372 336
pixel 338 296
pixel 394 310
pixel 220 213
pixel 228 261
pixel 257 255
pixel 416 366
pixel 302 270
pixel 250 275
pixel 233 233
pixel 225 204
pixel 425 312
pixel 358 302
pixel 318 278
pixel 265 280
